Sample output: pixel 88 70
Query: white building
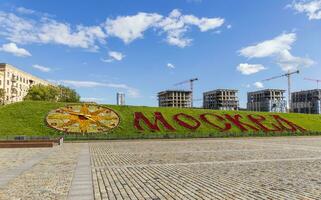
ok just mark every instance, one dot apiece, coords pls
pixel 120 98
pixel 16 83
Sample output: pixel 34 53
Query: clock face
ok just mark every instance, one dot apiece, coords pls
pixel 83 118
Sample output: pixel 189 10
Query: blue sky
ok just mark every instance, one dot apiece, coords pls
pixel 142 47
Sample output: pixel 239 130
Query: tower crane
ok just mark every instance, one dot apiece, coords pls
pixel 191 82
pixel 288 75
pixel 314 80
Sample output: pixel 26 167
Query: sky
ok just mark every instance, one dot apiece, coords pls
pixel 142 47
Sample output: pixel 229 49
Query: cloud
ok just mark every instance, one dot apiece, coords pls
pixel 289 62
pixel 272 47
pixel 177 24
pixel 248 69
pixel 48 31
pixel 170 65
pixel 41 68
pixel 311 8
pixel 258 85
pixel 130 28
pixel 229 26
pixel 278 48
pixel 114 55
pixel 34 27
pixel 15 50
pixel 26 11
pixel 132 92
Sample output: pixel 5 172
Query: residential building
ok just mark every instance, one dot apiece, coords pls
pixel 16 83
pixel 268 100
pixel 175 98
pixel 221 99
pixel 120 98
pixel 308 101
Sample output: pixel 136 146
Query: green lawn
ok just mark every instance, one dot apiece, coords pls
pixel 28 118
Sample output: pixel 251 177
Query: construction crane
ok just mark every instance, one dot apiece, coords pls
pixel 288 75
pixel 314 80
pixel 191 82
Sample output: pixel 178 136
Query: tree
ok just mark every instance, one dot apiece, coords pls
pixel 68 94
pixel 52 93
pixel 2 96
pixel 42 93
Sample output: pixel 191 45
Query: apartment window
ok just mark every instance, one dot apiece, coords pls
pixel 8 82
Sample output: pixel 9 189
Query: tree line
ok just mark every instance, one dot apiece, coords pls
pixel 51 93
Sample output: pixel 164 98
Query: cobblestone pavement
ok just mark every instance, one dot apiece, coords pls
pixel 263 168
pixel 49 178
pixel 242 168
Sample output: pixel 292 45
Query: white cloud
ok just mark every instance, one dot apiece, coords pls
pixel 129 28
pixel 26 11
pixel 15 50
pixel 311 8
pixel 177 24
pixel 278 48
pixel 272 47
pixel 45 30
pixel 258 85
pixel 114 55
pixel 289 62
pixel 170 65
pixel 229 26
pixel 248 69
pixel 41 68
pixel 132 92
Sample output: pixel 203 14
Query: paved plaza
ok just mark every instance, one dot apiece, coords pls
pixel 242 168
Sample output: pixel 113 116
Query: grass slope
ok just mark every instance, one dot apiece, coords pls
pixel 28 118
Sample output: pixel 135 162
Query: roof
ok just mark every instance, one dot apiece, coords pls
pixel 218 90
pixel 265 90
pixel 307 91
pixel 5 65
pixel 167 91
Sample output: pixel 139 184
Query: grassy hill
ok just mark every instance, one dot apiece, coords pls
pixel 28 118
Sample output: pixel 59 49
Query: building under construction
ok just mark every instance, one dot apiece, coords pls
pixel 175 98
pixel 268 100
pixel 308 101
pixel 221 99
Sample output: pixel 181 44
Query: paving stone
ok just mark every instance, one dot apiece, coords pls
pixel 242 168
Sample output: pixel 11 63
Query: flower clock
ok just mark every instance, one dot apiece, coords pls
pixel 83 118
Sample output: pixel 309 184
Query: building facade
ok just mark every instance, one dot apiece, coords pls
pixel 120 98
pixel 16 83
pixel 308 101
pixel 268 100
pixel 175 98
pixel 221 99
